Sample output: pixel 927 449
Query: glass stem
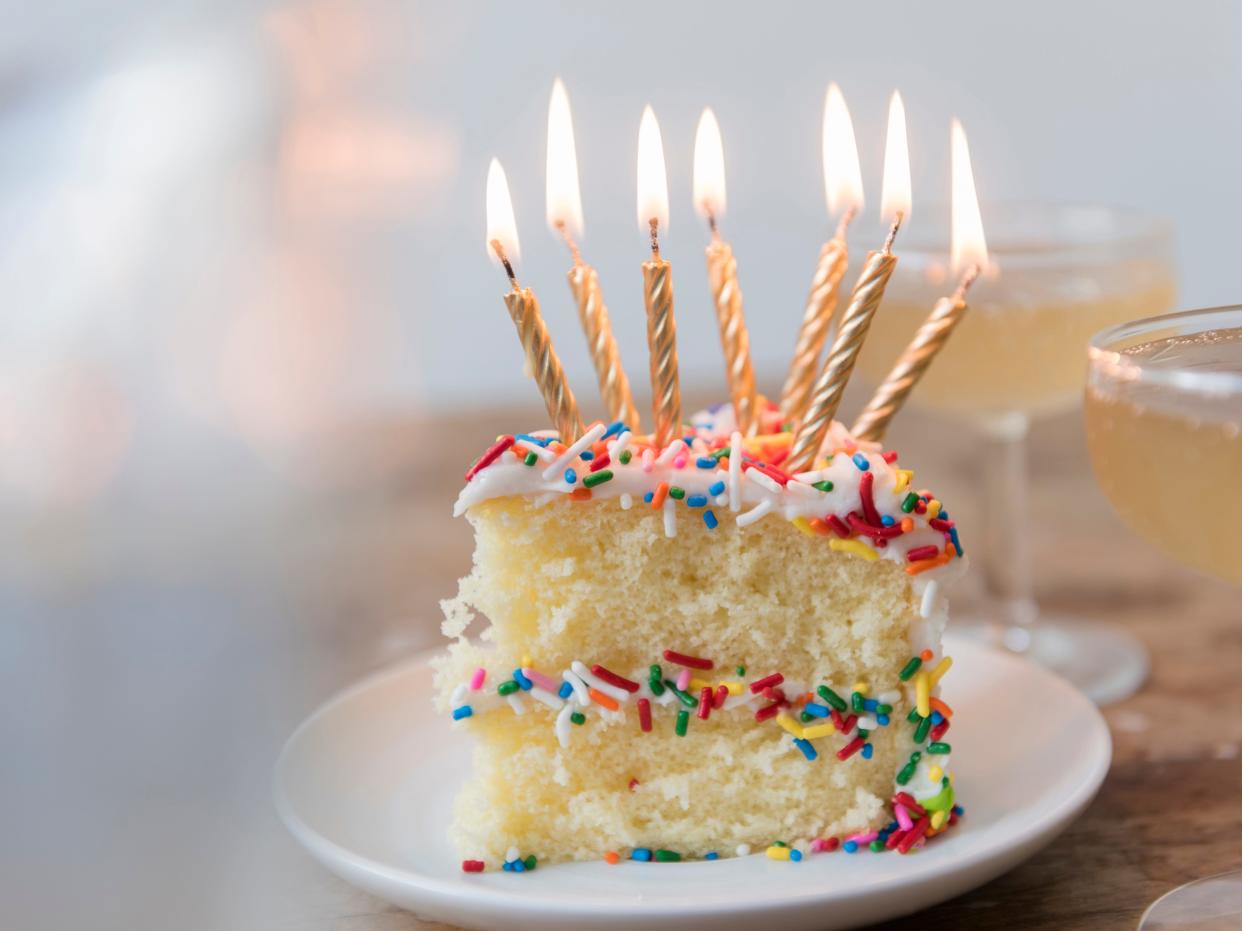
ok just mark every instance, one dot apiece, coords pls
pixel 1006 562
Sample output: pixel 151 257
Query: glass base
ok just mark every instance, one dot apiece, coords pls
pixel 1104 662
pixel 1212 904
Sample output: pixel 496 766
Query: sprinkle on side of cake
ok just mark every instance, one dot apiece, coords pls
pixel 693 652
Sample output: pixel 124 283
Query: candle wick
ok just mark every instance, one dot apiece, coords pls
pixel 711 225
pixel 504 260
pixel 846 219
pixel 569 241
pixel 655 240
pixel 892 232
pixel 969 278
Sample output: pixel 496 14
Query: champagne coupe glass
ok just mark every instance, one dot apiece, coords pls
pixel 1057 274
pixel 1163 410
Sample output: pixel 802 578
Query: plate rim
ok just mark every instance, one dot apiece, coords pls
pixel 1051 820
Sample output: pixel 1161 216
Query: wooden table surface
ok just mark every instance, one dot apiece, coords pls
pixel 188 648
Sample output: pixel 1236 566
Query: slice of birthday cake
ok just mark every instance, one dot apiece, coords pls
pixel 688 652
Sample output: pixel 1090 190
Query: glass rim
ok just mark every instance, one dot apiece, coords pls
pixel 1120 366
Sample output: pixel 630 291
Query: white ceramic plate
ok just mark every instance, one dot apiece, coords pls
pixel 366 784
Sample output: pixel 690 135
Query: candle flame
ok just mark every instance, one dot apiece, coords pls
pixel 501 227
pixel 968 245
pixel 709 170
pixel 842 175
pixel 895 193
pixel 652 179
pixel 564 200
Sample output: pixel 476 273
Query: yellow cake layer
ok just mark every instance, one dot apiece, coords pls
pixel 590 581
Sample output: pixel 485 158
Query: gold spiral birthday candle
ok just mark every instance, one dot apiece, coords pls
pixel 821 304
pixel 734 338
pixel 546 367
pixel 614 386
pixel 662 343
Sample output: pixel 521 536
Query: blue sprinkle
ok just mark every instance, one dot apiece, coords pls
pixel 882 720
pixel 937 718
pixel 795 855
pixel 696 501
pixel 641 853
pixel 519 866
pixel 716 488
pixel 890 827
pixel 541 441
pixel 850 846
pixel 959 810
pixel 867 750
pixel 712 855
pixel 464 711
pixel 521 680
pixel 953 536
pixel 571 476
pixel 943 515
pixel 507 867
pixel 688 440
pixel 565 690
pixel 705 462
pixel 870 704
pixel 613 429
pixel 816 710
pixel 586 455
pixel 805 746
pixel 887 520
pixel 648 496
pixel 861 461
pixel 710 519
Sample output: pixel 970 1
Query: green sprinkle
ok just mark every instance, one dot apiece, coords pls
pixel 806 718
pixel 856 702
pixel 530 862
pixel 833 699
pixel 507 688
pixel 907 772
pixel 684 697
pixel 741 670
pixel 909 501
pixel 779 843
pixel 915 756
pixel 683 718
pixel 920 732
pixel 667 856
pixel 720 453
pixel 626 456
pixel 657 687
pixel 531 459
pixel 578 717
pixel 825 485
pixel 655 672
pixel 863 733
pixel 883 709
pixel 939 747
pixel 914 716
pixel 910 668
pixel 877 846
pixel 597 478
pixel 676 493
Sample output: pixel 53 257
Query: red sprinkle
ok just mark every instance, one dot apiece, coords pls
pixel 832 843
pixel 770 471
pixel 894 839
pixel 492 454
pixel 914 835
pixel 634 783
pixel 644 714
pixel 877 532
pixel 868 499
pixel 600 461
pixel 705 703
pixel 890 457
pixel 850 748
pixel 920 506
pixel 848 724
pixel 681 659
pixel 613 679
pixel 773 693
pixel 919 553
pixel 905 798
pixel 938 731
pixel 768 711
pixel 780 455
pixel 722 692
pixel 838 526
pixel 939 523
pixel 837 721
pixel 766 682
pixel 473 866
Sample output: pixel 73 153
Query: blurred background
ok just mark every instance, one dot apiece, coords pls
pixel 245 295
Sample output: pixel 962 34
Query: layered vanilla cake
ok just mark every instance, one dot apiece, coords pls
pixel 686 652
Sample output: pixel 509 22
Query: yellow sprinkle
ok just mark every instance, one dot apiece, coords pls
pixel 922 694
pixel 857 547
pixel 862 688
pixel 696 683
pixel 815 731
pixel 941 668
pixel 950 779
pixel 935 774
pixel 804 525
pixel 526 661
pixel 735 688
pixel 933 508
pixel 789 724
pixel 904 478
pixel 938 818
pixel 778 853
